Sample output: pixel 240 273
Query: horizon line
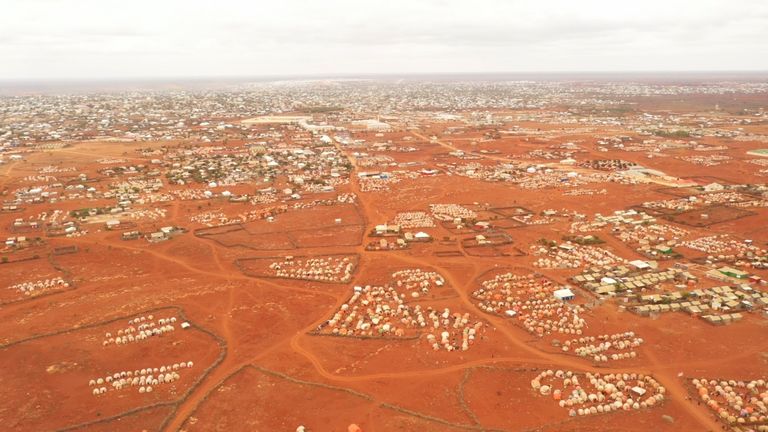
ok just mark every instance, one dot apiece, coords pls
pixel 369 75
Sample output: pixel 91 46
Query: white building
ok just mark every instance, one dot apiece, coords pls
pixel 564 294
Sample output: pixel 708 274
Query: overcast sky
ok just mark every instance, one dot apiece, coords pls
pixel 106 39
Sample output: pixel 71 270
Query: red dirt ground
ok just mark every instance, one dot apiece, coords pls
pixel 258 367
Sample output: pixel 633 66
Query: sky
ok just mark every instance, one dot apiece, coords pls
pixel 141 39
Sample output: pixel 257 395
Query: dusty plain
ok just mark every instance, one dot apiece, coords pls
pixel 265 333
